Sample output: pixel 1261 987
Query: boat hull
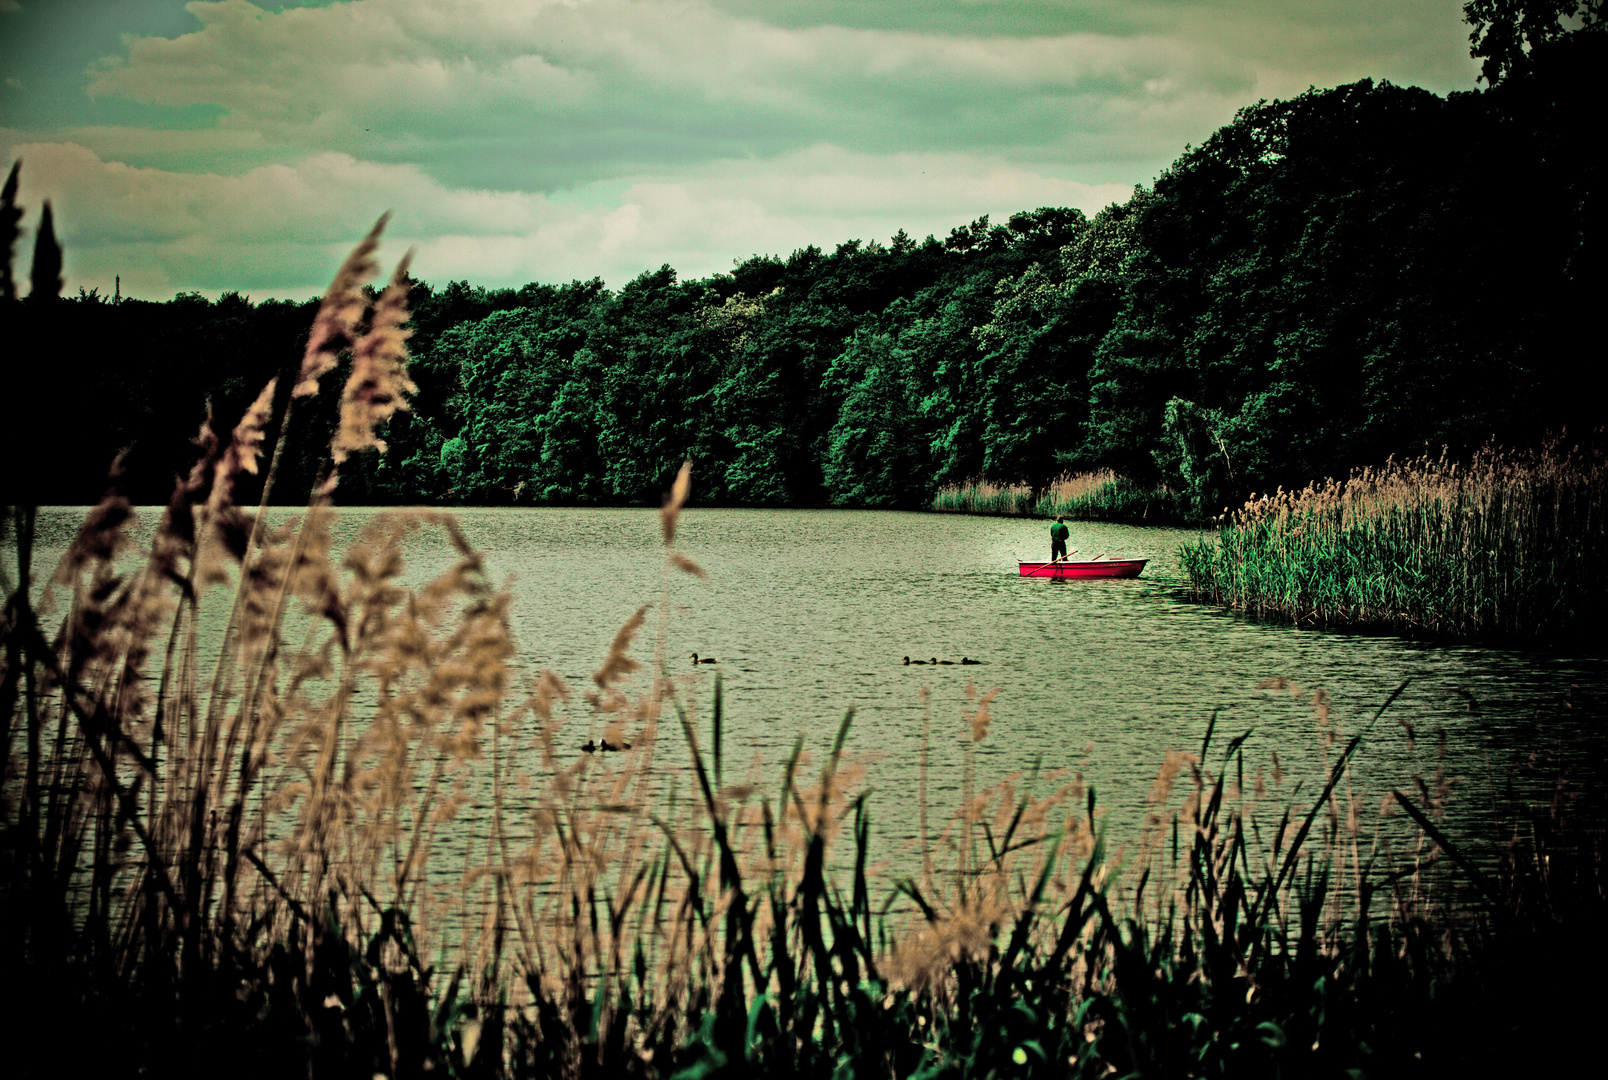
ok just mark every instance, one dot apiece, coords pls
pixel 1104 568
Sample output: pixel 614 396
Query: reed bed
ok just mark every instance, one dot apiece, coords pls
pixel 1508 545
pixel 979 496
pixel 227 864
pixel 1102 495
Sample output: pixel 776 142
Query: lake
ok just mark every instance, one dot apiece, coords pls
pixel 812 613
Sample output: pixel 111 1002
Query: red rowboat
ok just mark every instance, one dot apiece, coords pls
pixel 1097 568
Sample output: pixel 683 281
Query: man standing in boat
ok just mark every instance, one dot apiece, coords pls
pixel 1058 537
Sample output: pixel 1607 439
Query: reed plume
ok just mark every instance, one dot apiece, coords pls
pixel 339 313
pixel 378 385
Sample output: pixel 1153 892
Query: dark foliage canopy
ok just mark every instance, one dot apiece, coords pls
pixel 1361 271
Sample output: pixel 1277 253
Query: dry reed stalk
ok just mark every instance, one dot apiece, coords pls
pixel 598 816
pixel 1029 838
pixel 1069 486
pixel 981 496
pixel 218 748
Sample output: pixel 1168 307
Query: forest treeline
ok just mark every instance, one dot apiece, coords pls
pixel 1358 272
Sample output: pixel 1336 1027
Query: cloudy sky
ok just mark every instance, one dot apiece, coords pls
pixel 211 146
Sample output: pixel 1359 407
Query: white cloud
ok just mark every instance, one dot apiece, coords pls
pixel 279 230
pixel 387 77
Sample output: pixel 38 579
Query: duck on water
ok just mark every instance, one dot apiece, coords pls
pixel 604 745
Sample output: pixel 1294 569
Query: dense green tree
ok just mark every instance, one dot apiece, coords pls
pixel 477 431
pixel 570 468
pixel 1040 342
pixel 877 453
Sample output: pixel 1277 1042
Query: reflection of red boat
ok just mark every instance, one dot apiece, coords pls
pixel 1095 568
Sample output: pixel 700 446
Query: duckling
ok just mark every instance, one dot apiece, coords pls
pixel 588 746
pixel 704 660
pixel 609 747
pixel 969 660
pixel 909 661
pixel 951 663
